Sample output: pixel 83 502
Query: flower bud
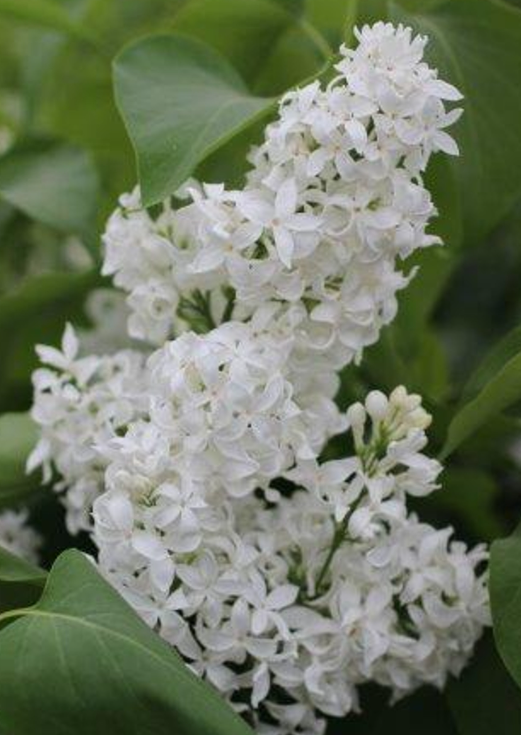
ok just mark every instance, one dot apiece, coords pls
pixel 419 418
pixel 356 416
pixel 377 405
pixel 398 397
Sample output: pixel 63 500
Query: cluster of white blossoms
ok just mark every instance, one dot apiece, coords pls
pixel 17 536
pixel 333 202
pixel 288 606
pixel 80 403
pixel 197 461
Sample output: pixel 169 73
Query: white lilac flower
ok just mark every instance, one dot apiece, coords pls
pixel 370 487
pixel 333 202
pixel 311 596
pixel 149 258
pixel 285 580
pixel 79 404
pixel 221 423
pixel 224 400
pixel 17 536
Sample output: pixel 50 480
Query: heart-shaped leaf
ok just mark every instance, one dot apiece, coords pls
pixel 180 101
pixel 85 663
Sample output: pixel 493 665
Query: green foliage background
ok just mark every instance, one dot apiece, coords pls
pixel 95 93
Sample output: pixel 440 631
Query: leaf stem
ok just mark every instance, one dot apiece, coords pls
pixel 8 614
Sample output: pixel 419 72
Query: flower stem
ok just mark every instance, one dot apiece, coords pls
pixel 338 538
pixel 197 312
pixel 230 305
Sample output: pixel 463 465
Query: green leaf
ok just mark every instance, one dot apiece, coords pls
pixel 20 581
pixel 44 13
pixel 500 392
pixel 38 56
pixel 505 595
pixel 53 183
pixel 15 570
pixel 180 101
pixel 18 436
pixel 475 44
pixel 247 32
pixel 507 348
pixel 77 104
pixel 484 699
pixel 85 663
pixel 35 68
